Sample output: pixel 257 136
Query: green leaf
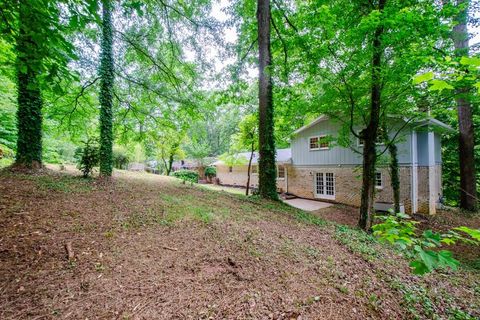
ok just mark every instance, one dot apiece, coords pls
pixel 419 267
pixel 474 233
pixel 439 85
pixel 445 259
pixel 471 61
pixel 429 258
pixel 477 85
pixel 423 77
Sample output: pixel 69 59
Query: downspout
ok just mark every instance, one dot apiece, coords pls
pixel 286 177
pixel 432 190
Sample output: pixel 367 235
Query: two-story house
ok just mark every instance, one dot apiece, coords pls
pixel 319 168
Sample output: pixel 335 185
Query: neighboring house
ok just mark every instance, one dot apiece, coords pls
pixel 320 169
pixel 237 175
pixel 194 165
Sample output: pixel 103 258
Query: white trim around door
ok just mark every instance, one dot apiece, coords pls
pixel 324 185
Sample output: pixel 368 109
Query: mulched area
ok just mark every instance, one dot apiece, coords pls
pixel 149 247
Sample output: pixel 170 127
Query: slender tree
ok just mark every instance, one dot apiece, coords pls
pixel 370 133
pixel 106 91
pixel 468 191
pixel 267 185
pixel 29 114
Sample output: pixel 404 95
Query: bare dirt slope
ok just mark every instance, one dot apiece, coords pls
pixel 149 247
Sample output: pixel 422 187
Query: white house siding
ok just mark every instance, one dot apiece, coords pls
pixel 238 177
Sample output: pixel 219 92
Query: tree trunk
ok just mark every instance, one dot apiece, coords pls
pixel 106 91
pixel 468 189
pixel 267 184
pixel 249 167
pixel 170 163
pixel 394 175
pixel 29 113
pixel 369 134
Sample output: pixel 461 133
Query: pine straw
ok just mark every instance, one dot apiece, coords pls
pixel 235 258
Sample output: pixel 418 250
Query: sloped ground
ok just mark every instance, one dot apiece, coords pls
pixel 149 247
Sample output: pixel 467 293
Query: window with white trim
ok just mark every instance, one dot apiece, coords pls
pixel 281 172
pixel 314 143
pixel 319 143
pixel 378 180
pixel 361 142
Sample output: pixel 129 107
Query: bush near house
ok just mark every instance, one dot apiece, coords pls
pixel 186 175
pixel 210 173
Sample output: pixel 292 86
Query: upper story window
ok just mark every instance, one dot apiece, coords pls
pixel 254 169
pixel 319 143
pixel 378 180
pixel 281 172
pixel 380 135
pixel 230 169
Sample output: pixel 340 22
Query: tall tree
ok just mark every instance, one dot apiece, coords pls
pixel 106 91
pixel 468 188
pixel 29 60
pixel 370 133
pixel 267 185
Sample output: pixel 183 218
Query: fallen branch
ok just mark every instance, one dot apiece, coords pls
pixel 68 248
pixel 169 248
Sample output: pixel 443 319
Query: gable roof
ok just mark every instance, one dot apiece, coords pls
pixel 281 156
pixel 429 121
pixel 323 117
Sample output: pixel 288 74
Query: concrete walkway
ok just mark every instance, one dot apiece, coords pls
pixel 307 205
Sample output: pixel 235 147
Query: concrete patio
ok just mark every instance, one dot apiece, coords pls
pixel 307 205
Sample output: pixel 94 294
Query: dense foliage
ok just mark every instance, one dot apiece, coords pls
pixel 88 157
pixel 424 249
pixel 186 175
pixel 184 86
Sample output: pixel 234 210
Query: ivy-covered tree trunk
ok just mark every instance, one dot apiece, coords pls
pixel 468 189
pixel 370 133
pixel 394 175
pixel 106 91
pixel 29 114
pixel 267 183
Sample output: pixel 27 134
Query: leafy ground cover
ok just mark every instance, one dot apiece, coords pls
pixel 147 247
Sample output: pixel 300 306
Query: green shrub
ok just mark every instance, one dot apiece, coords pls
pixel 89 157
pixel 423 249
pixel 210 172
pixel 6 152
pixel 186 175
pixel 120 158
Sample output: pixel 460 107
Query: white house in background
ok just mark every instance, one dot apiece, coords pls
pixel 317 168
pixel 237 175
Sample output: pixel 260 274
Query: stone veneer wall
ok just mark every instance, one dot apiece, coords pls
pixel 238 177
pixel 348 184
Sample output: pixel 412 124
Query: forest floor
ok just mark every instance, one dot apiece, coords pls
pixel 150 247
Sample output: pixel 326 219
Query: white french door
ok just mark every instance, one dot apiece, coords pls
pixel 324 185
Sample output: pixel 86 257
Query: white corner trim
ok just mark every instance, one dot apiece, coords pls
pixel 414 175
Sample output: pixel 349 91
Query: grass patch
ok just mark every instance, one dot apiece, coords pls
pixel 62 183
pixel 309 218
pixel 358 241
pixel 146 218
